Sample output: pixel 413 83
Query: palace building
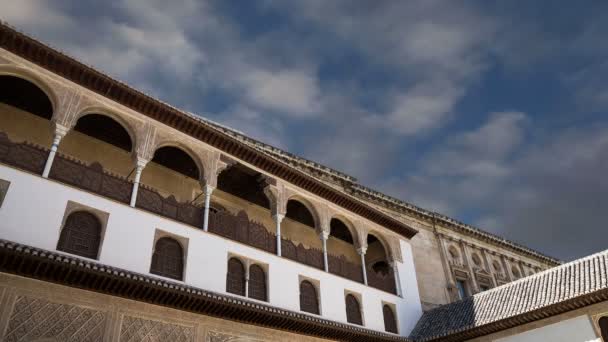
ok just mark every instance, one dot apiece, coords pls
pixel 123 218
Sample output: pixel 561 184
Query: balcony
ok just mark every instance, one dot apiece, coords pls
pixel 170 189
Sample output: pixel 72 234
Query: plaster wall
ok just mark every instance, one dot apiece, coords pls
pixel 578 329
pixel 34 208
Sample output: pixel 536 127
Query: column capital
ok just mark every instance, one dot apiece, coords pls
pixel 60 130
pixel 207 188
pixel 141 162
pixel 324 235
pixel 276 196
pixel 278 217
pixel 362 250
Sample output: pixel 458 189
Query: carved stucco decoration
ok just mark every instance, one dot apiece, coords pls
pixel 213 163
pixel 276 196
pixel 38 319
pixel 213 336
pixel 136 329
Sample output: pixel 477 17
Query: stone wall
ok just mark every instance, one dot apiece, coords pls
pixel 32 310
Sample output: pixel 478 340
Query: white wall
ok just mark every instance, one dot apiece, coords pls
pixel 33 211
pixel 578 329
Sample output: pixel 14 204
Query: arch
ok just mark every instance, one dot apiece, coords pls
pixel 257 283
pixel 25 95
pixel 373 237
pixel 301 210
pixel 309 302
pixel 235 277
pixel 179 160
pixel 185 149
pixel 353 310
pixel 168 258
pixel 81 235
pixel 390 321
pixel 245 183
pixel 342 229
pixel 107 129
pixel 20 72
pixel 603 324
pixel 127 125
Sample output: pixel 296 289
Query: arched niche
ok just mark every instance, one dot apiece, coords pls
pixel 245 184
pixel 99 138
pixel 173 171
pixel 25 111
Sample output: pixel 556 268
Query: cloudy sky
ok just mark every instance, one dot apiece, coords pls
pixel 496 115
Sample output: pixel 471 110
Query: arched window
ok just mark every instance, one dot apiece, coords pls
pixel 353 310
pixel 81 235
pixel 168 259
pixel 603 323
pixel 257 283
pixel 516 272
pixel 390 322
pixel 235 279
pixel 308 298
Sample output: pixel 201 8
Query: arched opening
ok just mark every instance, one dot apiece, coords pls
pixel 603 324
pixel 309 302
pixel 298 212
pixel 515 272
pixel 25 110
pixel 477 260
pixel 257 283
pixel 99 139
pixel 301 241
pixel 342 256
pixel 390 321
pixel 81 235
pixel 235 278
pixel 168 259
pixel 353 310
pixel 379 273
pixel 245 184
pixel 171 172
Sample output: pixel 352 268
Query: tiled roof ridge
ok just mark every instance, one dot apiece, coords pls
pixel 78 262
pixel 565 285
pixel 350 183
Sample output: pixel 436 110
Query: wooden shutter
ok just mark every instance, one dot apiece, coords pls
pixel 235 279
pixel 390 323
pixel 257 283
pixel 308 298
pixel 167 260
pixel 81 235
pixel 353 310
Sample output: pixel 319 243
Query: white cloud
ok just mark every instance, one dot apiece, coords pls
pixel 290 92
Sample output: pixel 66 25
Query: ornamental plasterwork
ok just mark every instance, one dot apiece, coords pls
pixel 136 329
pixel 213 336
pixel 34 318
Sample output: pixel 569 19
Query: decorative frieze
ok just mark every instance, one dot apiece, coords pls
pixel 136 329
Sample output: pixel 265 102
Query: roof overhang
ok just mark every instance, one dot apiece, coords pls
pixel 66 270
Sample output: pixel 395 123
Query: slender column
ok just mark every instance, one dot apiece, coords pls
pixel 277 220
pixel 361 252
pixel 60 132
pixel 207 189
pixel 324 235
pixel 247 264
pixel 397 278
pixel 141 163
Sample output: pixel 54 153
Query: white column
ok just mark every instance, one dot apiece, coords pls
pixel 361 252
pixel 397 279
pixel 60 132
pixel 247 264
pixel 141 163
pixel 324 235
pixel 207 189
pixel 277 220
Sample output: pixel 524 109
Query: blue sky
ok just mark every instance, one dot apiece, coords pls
pixel 494 114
